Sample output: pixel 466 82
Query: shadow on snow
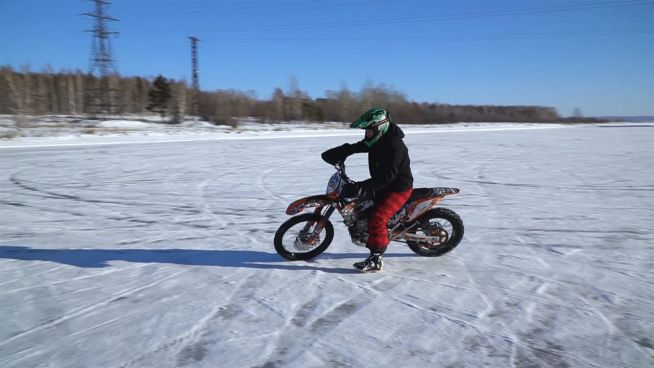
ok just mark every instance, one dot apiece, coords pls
pixel 98 258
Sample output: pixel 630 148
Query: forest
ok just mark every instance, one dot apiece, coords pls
pixel 26 92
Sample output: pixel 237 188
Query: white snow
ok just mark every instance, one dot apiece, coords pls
pixel 51 131
pixel 115 254
pixel 124 124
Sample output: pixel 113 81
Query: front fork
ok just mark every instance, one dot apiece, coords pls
pixel 315 234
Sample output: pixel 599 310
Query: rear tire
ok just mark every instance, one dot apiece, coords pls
pixel 288 247
pixel 442 223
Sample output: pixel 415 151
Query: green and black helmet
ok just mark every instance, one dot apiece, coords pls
pixel 378 120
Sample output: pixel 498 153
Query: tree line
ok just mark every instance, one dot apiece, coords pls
pixel 71 93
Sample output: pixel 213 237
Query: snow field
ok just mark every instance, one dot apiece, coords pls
pixel 160 255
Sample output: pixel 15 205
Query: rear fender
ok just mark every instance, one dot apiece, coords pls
pixel 416 208
pixel 308 202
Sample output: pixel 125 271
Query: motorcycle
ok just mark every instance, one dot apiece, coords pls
pixel 428 230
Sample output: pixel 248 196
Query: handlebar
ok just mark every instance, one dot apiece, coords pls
pixel 340 167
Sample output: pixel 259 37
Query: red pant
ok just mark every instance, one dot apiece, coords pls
pixel 385 208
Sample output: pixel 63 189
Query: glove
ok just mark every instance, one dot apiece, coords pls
pixel 334 155
pixel 366 190
pixel 350 190
pixel 361 190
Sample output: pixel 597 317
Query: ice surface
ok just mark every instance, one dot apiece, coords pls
pixel 160 254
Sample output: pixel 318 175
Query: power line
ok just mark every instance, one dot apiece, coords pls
pixel 425 19
pixel 268 6
pixel 442 38
pixel 212 8
pixel 457 38
pixel 461 16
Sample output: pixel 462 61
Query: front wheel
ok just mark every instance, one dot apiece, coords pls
pixel 441 229
pixel 303 237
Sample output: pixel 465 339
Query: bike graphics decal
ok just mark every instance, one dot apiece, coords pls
pixel 313 201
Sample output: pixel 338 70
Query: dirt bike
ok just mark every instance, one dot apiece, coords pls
pixel 427 229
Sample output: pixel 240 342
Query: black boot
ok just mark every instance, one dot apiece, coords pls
pixel 373 263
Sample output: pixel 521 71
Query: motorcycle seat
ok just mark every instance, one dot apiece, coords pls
pixel 432 192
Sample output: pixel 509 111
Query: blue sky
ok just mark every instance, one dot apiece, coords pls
pixel 597 56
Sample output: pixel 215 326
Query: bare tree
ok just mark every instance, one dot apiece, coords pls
pixel 27 92
pixel 278 104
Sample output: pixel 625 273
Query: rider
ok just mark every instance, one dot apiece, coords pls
pixel 391 182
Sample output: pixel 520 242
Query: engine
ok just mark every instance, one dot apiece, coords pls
pixel 359 232
pixel 358 227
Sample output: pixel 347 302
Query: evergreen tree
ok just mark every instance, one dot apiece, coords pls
pixel 159 95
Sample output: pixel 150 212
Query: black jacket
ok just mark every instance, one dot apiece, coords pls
pixel 388 161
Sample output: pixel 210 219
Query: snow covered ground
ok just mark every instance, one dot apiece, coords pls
pixel 160 254
pixel 58 130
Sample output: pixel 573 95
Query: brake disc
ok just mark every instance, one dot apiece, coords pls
pixel 437 233
pixel 305 241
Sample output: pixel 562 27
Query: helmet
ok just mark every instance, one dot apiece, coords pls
pixel 377 120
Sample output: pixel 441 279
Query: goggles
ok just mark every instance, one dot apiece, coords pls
pixel 375 127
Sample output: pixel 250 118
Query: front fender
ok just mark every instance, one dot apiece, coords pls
pixel 306 202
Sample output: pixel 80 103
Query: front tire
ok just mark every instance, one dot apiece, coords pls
pixel 300 243
pixel 443 226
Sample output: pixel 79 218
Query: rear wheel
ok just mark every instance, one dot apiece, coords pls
pixel 442 230
pixel 303 237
